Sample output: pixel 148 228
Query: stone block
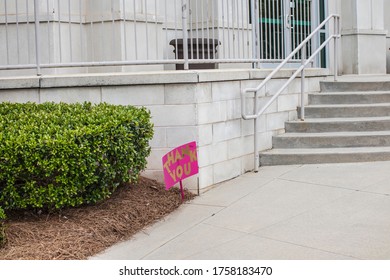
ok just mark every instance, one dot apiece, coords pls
pixel 253 84
pixel 276 120
pixel 133 95
pixel 226 170
pixel 211 154
pixel 159 138
pixel 180 94
pixel 288 102
pixel 223 75
pixel 155 158
pixel 226 90
pixel 240 146
pixel 272 108
pixel 19 95
pixel 205 133
pixel 19 83
pixel 247 163
pixel 212 112
pixel 203 93
pixel 206 176
pixel 71 95
pixel 177 136
pixel 226 130
pixel 265 140
pixel 233 109
pixel 173 115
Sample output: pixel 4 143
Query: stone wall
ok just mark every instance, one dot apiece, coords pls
pixel 204 106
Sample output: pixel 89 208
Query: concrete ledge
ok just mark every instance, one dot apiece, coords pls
pixel 19 83
pixel 286 73
pixel 147 78
pixel 117 79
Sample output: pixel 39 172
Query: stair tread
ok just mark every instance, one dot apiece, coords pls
pixel 319 151
pixel 335 134
pixel 348 105
pixel 350 93
pixel 350 119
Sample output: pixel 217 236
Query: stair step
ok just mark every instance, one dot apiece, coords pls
pixel 354 86
pixel 347 110
pixel 339 124
pixel 328 155
pixel 332 140
pixel 349 97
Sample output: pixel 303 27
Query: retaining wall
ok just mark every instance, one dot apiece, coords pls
pixel 201 105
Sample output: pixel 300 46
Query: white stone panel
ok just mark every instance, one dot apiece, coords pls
pixel 233 109
pixel 240 146
pixel 247 163
pixel 276 120
pixel 173 115
pixel 226 90
pixel 180 93
pixel 288 102
pixel 226 130
pixel 19 95
pixel 205 134
pixel 212 112
pixel 159 138
pixel 206 176
pixel 133 95
pixel 212 154
pixel 203 93
pixel 247 126
pixel 227 170
pixel 155 158
pixel 177 136
pixel 71 95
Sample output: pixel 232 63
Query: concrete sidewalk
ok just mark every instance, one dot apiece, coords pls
pixel 326 211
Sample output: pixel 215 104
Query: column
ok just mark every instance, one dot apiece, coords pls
pixel 363 37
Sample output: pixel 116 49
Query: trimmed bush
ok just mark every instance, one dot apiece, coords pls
pixel 2 228
pixel 59 155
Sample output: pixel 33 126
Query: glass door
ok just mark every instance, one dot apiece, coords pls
pixel 284 24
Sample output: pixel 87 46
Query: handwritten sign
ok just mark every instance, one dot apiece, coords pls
pixel 180 163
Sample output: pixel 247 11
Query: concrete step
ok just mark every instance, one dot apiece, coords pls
pixel 328 155
pixel 347 110
pixel 339 124
pixel 332 140
pixel 349 97
pixel 344 86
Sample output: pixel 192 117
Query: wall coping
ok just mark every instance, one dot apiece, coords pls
pixel 145 78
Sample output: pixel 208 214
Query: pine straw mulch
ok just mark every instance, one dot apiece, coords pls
pixel 78 233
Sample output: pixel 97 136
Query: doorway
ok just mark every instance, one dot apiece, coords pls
pixel 284 24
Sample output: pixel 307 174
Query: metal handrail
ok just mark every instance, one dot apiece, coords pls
pixel 304 62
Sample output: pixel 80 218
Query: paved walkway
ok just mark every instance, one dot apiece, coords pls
pixel 327 211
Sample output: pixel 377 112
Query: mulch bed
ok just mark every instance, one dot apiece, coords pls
pixel 76 234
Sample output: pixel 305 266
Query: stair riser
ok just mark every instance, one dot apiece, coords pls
pixel 354 86
pixel 339 126
pixel 330 142
pixel 348 99
pixel 346 112
pixel 316 159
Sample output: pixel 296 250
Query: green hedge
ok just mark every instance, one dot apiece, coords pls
pixel 59 155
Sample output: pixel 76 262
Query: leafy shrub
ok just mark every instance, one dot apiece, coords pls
pixel 58 155
pixel 2 228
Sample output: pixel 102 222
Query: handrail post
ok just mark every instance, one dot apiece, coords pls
pixel 37 37
pixel 303 58
pixel 335 43
pixel 184 9
pixel 256 135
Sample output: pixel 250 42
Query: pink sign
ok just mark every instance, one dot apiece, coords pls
pixel 180 163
